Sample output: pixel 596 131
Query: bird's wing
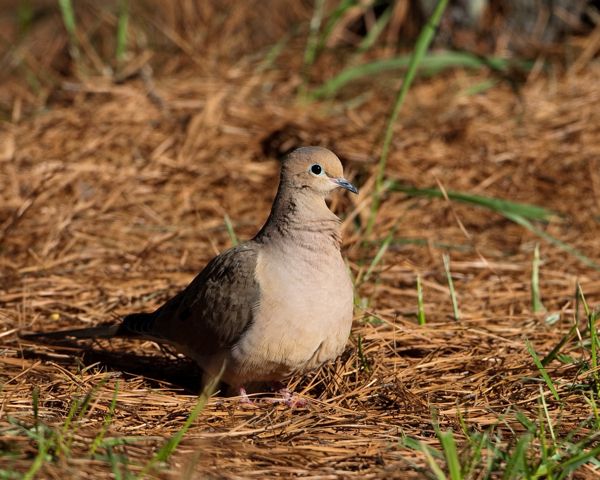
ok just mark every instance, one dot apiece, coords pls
pixel 216 308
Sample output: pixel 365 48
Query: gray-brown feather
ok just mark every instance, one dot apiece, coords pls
pixel 216 308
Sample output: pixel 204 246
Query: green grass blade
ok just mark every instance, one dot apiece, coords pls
pixel 87 399
pixel 122 24
pixel 374 33
pixel 39 436
pixel 572 464
pixel 528 424
pixel 435 468
pixel 592 403
pixel 455 310
pixel 107 420
pixel 332 21
pixel 78 409
pixel 547 415
pixel 554 241
pixel 474 462
pixel 594 342
pixel 451 454
pixel 421 47
pixel 312 43
pixel 165 452
pixel 169 447
pixel 230 230
pixel 544 463
pixel 519 213
pixel 504 207
pixel 542 370
pixel 75 404
pixel 361 354
pixel 430 64
pixel 582 300
pixel 426 242
pixel 68 17
pixel 35 399
pixel 115 464
pixel 577 301
pixel 594 345
pixel 480 87
pixel 111 442
pixel 536 303
pixel 24 16
pixel 40 458
pixel 591 320
pixel 274 52
pixel 410 442
pixel 379 255
pixel 515 465
pixel 420 307
pixel 563 341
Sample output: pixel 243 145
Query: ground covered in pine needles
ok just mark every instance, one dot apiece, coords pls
pixel 113 195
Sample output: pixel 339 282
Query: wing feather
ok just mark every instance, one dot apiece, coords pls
pixel 216 308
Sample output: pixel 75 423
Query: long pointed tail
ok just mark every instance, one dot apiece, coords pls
pixel 133 326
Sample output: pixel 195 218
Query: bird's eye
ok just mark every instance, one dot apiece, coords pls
pixel 316 169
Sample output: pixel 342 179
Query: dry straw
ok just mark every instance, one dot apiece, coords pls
pixel 111 200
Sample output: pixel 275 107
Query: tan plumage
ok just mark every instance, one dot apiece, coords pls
pixel 278 304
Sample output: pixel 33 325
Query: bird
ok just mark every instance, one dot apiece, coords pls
pixel 276 305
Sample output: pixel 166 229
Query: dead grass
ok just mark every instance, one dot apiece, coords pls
pixel 112 201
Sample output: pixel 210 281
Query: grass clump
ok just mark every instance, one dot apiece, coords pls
pixel 535 454
pixel 423 42
pixel 519 213
pixel 54 444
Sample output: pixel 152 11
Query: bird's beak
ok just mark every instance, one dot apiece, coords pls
pixel 342 182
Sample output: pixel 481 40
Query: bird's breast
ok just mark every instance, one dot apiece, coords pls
pixel 304 314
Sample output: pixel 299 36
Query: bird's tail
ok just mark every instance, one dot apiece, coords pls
pixel 132 326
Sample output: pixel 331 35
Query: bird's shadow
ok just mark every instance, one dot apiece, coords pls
pixel 167 370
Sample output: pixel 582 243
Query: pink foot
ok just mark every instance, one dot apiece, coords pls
pixel 290 399
pixel 244 398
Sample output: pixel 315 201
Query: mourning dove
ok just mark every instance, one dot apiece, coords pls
pixel 273 306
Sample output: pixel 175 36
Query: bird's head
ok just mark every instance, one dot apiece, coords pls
pixel 316 169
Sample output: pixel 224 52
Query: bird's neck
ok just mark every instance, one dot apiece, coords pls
pixel 300 214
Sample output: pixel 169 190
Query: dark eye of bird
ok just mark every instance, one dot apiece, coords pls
pixel 316 169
